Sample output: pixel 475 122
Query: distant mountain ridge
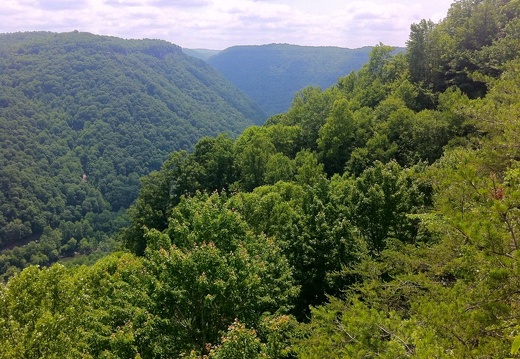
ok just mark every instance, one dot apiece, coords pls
pixel 203 54
pixel 83 117
pixel 272 74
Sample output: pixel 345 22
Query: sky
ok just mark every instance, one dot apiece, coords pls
pixel 218 24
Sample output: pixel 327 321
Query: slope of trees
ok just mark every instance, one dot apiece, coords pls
pixel 82 118
pixel 272 74
pixel 395 238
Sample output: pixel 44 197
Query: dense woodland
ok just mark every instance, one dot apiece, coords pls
pixel 378 218
pixel 82 119
pixel 272 74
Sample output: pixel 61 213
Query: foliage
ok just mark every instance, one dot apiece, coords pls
pixel 378 219
pixel 215 270
pixel 42 315
pixel 82 118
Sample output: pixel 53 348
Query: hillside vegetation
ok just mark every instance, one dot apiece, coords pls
pixel 376 219
pixel 82 118
pixel 272 74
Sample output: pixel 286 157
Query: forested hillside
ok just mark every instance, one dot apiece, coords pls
pixel 272 74
pixel 376 219
pixel 82 118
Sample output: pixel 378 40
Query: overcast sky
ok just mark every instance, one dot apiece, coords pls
pixel 218 24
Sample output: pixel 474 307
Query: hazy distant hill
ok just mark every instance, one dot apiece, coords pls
pixel 272 74
pixel 203 54
pixel 83 117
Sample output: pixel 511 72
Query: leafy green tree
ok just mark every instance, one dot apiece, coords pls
pixel 159 193
pixel 286 139
pixel 379 60
pixel 309 110
pixel 308 169
pixel 421 53
pixel 118 320
pixel 464 43
pixel 347 330
pixel 252 150
pixel 312 231
pixel 216 270
pixel 497 117
pixel 337 137
pixel 239 342
pixel 380 201
pixel 215 157
pixel 377 148
pixel 279 168
pixel 43 315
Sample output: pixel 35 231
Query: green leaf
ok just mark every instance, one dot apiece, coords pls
pixel 515 347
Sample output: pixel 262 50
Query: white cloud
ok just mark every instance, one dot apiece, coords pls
pixel 222 23
pixel 57 5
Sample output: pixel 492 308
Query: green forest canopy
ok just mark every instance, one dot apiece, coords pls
pixel 82 119
pixel 377 218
